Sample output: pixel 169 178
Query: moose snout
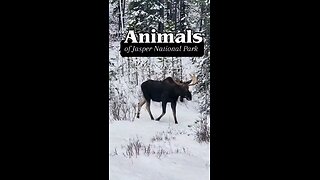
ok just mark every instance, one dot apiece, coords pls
pixel 188 96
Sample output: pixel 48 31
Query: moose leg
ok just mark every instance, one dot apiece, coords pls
pixel 164 106
pixel 141 103
pixel 173 106
pixel 148 109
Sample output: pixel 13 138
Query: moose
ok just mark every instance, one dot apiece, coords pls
pixel 167 90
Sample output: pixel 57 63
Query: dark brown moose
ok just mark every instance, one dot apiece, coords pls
pixel 165 91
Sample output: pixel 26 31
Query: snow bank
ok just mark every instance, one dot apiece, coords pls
pixel 186 159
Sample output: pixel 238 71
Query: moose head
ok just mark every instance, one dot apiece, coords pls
pixel 184 87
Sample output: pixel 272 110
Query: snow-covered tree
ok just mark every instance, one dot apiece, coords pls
pixel 145 15
pixel 127 74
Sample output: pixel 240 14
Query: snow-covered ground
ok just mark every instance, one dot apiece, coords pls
pixel 167 151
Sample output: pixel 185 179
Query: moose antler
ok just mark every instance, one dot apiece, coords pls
pixel 177 81
pixel 194 80
pixel 191 82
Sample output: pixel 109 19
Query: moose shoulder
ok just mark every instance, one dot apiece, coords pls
pixel 165 91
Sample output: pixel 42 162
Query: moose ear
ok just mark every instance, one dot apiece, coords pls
pixel 188 82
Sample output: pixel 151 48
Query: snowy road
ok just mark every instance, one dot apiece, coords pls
pixel 176 154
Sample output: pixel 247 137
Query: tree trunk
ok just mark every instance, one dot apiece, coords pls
pixel 181 73
pixel 182 15
pixel 175 15
pixel 123 11
pixel 169 14
pixel 121 16
pixel 201 16
pixel 119 19
pixel 137 75
pixel 163 68
pixel 161 26
pixel 129 67
pixel 173 69
pixel 149 68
